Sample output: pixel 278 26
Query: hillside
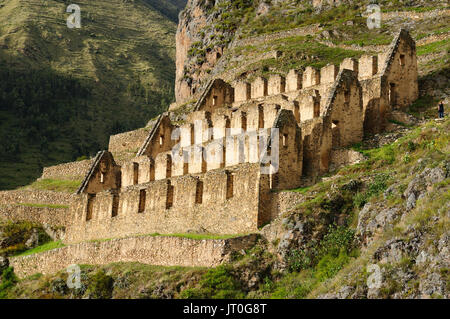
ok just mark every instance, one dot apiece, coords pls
pixel 378 228
pixel 391 210
pixel 271 37
pixel 64 91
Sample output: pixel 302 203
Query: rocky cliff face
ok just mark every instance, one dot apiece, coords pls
pixel 205 29
pixel 192 20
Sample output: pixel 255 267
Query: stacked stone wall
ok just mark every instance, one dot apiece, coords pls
pixel 164 251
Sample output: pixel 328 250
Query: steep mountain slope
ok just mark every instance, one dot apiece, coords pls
pixel 377 229
pixel 242 39
pixel 64 91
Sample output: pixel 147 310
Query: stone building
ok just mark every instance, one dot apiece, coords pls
pixel 218 170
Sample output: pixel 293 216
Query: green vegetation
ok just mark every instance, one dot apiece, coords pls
pixel 434 47
pixel 42 248
pixel 56 185
pixel 7 281
pixel 101 286
pixel 17 234
pixel 189 236
pixel 296 52
pixel 64 91
pixel 374 189
pixel 217 283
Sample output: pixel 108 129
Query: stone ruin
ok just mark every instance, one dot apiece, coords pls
pixel 216 172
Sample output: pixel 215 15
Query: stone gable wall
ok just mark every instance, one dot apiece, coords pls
pixel 228 205
pixel 67 171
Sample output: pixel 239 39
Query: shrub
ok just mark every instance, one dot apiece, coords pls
pixel 7 280
pixel 338 239
pixel 300 259
pixel 101 286
pixel 360 200
pixel 330 265
pixel 219 283
pixel 378 185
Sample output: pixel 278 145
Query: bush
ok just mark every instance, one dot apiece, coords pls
pixel 330 265
pixel 375 188
pixel 7 280
pixel 338 239
pixel 101 286
pixel 17 234
pixel 360 200
pixel 217 283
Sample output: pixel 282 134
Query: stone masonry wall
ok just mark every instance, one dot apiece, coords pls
pixel 164 251
pixel 128 141
pixel 223 201
pixel 67 171
pixel 55 217
pixel 35 197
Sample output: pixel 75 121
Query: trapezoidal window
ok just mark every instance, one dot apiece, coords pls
pixel 297 111
pixel 402 60
pixel 227 126
pixel 142 196
pixel 161 140
pixel 169 197
pixel 244 121
pixel 260 116
pixel 192 134
pixel 90 207
pixel 199 193
pixel 152 172
pixel 214 100
pixel 185 167
pixel 102 177
pixel 273 180
pixel 135 173
pixel 168 166
pixel 115 206
pixel 392 94
pixel 230 186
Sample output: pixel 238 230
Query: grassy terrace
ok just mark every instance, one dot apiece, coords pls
pixel 42 248
pixel 189 236
pixel 58 244
pixel 297 52
pixel 56 185
pixel 434 47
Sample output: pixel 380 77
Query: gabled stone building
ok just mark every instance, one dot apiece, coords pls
pixel 217 172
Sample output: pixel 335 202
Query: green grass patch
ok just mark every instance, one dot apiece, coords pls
pixel 434 47
pixel 189 236
pixel 42 248
pixel 42 205
pixel 57 185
